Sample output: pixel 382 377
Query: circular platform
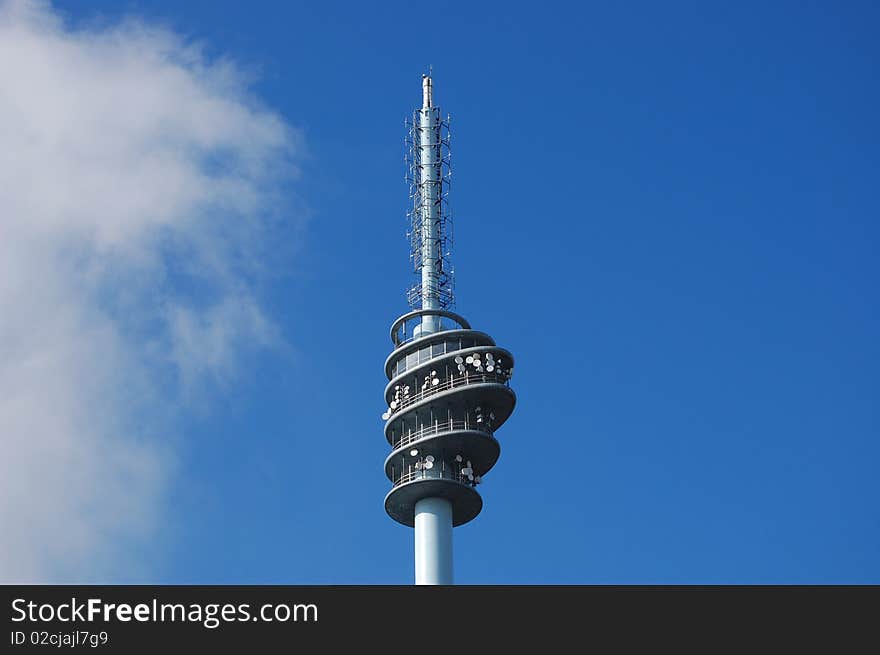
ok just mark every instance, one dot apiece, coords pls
pixel 401 501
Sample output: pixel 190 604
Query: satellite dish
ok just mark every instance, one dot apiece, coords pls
pixel 433 374
pixel 429 465
pixel 489 356
pixel 393 404
pixel 469 360
pixel 490 368
pixel 458 458
pixel 414 452
pixel 396 387
pixel 386 416
pixel 471 477
pixel 435 382
pixel 476 355
pixel 458 359
pixel 467 471
pixel 429 458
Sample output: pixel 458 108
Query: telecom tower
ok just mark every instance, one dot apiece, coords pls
pixel 449 385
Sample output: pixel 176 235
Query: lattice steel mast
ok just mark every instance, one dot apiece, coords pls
pixel 448 387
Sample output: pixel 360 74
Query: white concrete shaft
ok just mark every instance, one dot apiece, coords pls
pixel 433 535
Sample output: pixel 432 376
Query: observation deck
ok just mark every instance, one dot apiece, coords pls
pixel 448 393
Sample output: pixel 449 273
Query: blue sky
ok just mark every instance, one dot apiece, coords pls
pixel 667 211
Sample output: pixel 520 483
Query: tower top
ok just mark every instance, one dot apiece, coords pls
pixel 427 91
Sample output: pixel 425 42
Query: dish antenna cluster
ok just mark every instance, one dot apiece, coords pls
pixel 449 385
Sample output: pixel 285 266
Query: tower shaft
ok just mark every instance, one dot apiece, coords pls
pixel 433 541
pixel 433 516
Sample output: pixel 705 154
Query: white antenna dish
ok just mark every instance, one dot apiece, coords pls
pixel 386 416
pixel 458 458
pixel 476 355
pixel 393 404
pixel 433 374
pixel 435 382
pixel 489 356
pixel 469 360
pixel 490 368
pixel 458 359
pixel 429 465
pixel 414 452
pixel 429 458
pixel 467 471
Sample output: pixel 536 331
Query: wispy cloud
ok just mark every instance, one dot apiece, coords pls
pixel 137 179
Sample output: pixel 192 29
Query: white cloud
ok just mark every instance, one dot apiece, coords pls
pixel 137 180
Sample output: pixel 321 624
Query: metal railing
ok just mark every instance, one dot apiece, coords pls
pixel 401 331
pixel 450 383
pixel 440 426
pixel 432 474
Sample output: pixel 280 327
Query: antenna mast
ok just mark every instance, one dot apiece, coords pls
pixel 430 233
